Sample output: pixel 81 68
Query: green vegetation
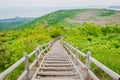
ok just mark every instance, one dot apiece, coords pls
pixel 14 43
pixel 13 23
pixel 108 13
pixel 103 42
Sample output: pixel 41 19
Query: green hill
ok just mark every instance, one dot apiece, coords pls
pixel 65 18
pixel 69 18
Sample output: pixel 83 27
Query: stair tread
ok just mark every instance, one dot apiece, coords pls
pixel 56 73
pixel 56 61
pixel 57 65
pixel 56 68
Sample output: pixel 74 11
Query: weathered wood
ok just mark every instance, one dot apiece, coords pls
pixel 15 65
pixel 11 68
pixel 56 68
pixel 26 65
pixel 87 64
pixel 53 65
pixel 111 73
pixel 60 62
pixel 25 72
pixel 76 55
pixel 57 65
pixel 77 70
pixel 34 76
pixel 56 73
pixel 69 46
pixel 57 62
pixel 94 77
pixel 56 59
pixel 68 49
pixel 83 66
pixel 22 75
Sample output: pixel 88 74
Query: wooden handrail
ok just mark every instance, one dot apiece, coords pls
pixel 15 65
pixel 82 65
pixel 111 73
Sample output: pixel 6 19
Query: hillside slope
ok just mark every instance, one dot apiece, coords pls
pixel 69 18
pixel 13 23
pixel 98 16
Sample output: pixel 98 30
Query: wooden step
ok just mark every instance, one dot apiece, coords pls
pixel 56 59
pixel 56 68
pixel 56 73
pixel 57 65
pixel 58 78
pixel 56 56
pixel 57 62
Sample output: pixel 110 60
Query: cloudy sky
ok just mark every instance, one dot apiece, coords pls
pixel 57 3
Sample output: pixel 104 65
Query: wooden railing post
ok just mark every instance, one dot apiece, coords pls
pixel 26 65
pixel 42 50
pixel 38 49
pixel 76 55
pixel 47 47
pixel 87 64
pixel 36 55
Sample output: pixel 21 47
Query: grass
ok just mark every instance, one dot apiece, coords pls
pixel 104 46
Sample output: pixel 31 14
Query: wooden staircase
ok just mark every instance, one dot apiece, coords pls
pixel 58 60
pixel 56 65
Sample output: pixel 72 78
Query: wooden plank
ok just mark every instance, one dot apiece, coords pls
pixel 34 76
pixel 87 64
pixel 106 69
pixel 56 68
pixel 56 73
pixel 93 75
pixel 57 65
pixel 11 68
pixel 81 77
pixel 81 53
pixel 56 59
pixel 111 73
pixel 57 62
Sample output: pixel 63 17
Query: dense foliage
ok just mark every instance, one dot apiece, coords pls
pixel 103 42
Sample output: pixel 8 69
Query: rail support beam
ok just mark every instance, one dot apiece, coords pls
pixel 26 65
pixel 36 55
pixel 87 65
pixel 76 55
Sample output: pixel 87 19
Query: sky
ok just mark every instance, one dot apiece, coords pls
pixel 37 8
pixel 57 3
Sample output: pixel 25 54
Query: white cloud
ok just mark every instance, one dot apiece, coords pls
pixel 56 3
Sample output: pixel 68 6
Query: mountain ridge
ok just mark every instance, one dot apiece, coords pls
pixel 13 23
pixel 97 16
pixel 73 17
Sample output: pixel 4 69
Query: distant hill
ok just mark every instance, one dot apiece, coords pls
pixel 69 18
pixel 12 23
pixel 65 18
pixel 98 16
